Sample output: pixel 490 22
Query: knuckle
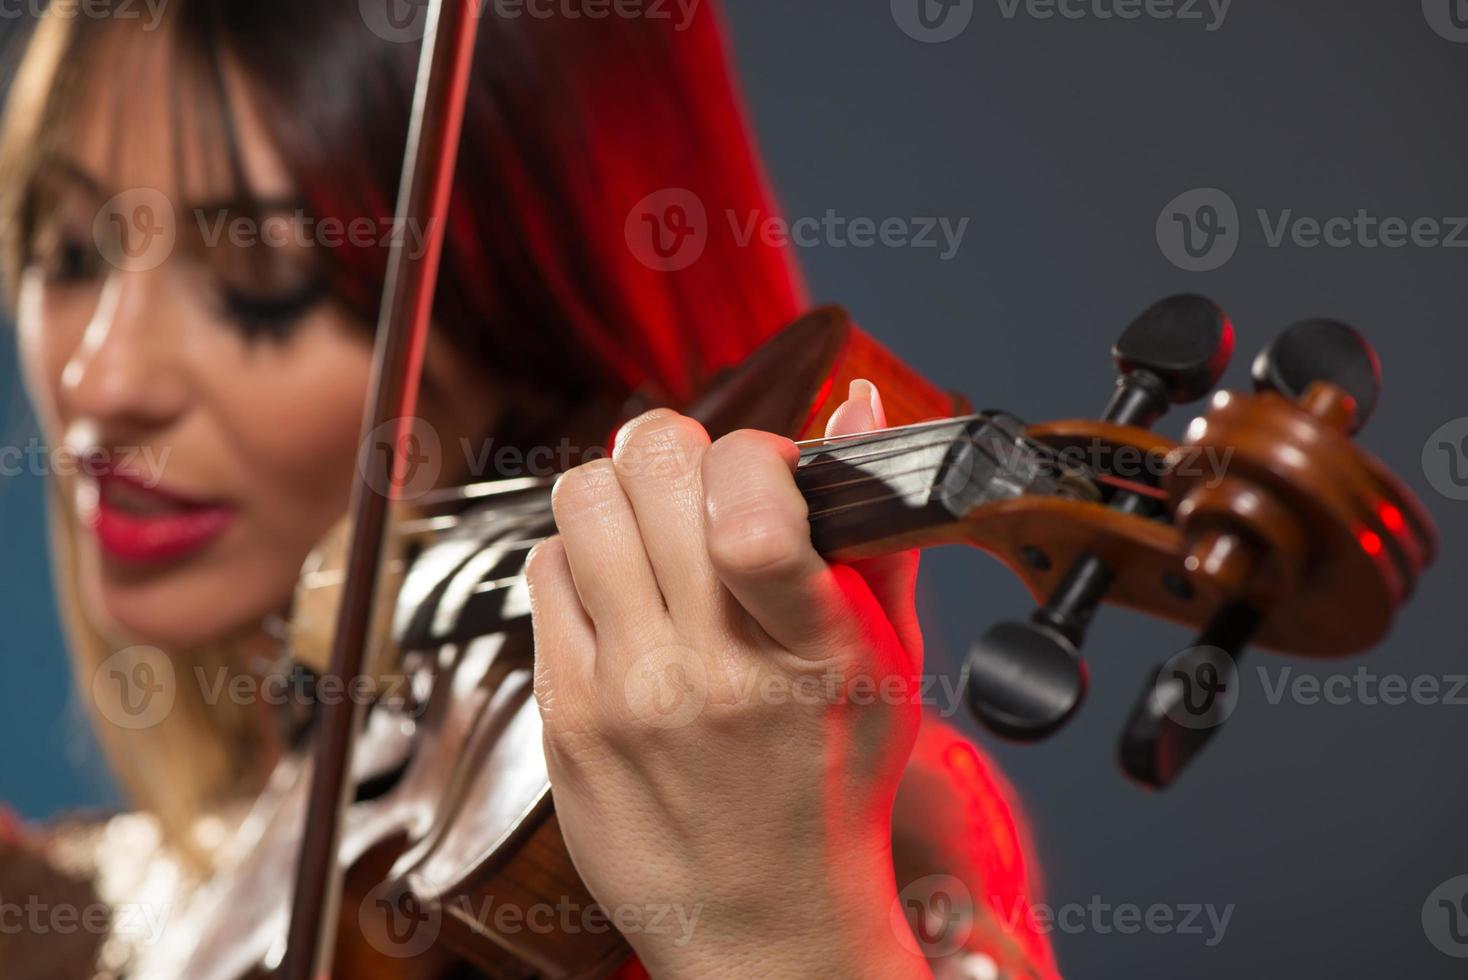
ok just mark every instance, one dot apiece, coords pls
pixel 760 539
pixel 585 488
pixel 542 559
pixel 661 443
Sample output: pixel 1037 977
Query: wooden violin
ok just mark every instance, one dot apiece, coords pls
pixel 394 847
pixel 1301 543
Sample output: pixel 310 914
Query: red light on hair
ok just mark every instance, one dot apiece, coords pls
pixel 1370 541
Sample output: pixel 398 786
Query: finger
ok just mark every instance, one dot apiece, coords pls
pixel 565 640
pixel 892 578
pixel 758 539
pixel 603 548
pixel 658 458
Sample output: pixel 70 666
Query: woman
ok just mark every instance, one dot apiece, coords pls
pixel 195 213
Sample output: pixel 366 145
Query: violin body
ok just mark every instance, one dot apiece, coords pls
pixel 467 827
pixel 452 835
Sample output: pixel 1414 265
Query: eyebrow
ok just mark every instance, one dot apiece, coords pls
pixel 68 169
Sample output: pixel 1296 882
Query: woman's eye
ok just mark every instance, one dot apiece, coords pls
pixel 70 260
pixel 260 316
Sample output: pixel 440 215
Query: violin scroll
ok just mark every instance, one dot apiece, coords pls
pixel 1024 680
pixel 1293 538
pixel 1270 524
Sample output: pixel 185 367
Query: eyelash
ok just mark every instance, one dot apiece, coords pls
pixel 260 317
pixel 255 316
pixel 76 260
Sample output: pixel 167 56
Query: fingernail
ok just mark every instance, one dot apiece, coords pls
pixel 862 388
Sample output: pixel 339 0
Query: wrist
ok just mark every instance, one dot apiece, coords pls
pixel 845 925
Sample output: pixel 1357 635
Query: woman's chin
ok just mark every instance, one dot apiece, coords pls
pixel 175 612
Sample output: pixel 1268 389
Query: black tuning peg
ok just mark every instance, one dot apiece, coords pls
pixel 1321 350
pixel 1023 680
pixel 1186 700
pixel 1172 354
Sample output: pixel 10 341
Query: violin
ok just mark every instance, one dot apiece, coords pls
pixel 1304 544
pixel 394 847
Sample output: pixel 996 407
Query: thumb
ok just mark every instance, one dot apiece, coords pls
pixel 891 578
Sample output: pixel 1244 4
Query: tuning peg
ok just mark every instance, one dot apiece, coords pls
pixel 1186 700
pixel 1174 353
pixel 1322 350
pixel 1024 680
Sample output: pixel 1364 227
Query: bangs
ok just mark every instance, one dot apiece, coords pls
pixel 68 80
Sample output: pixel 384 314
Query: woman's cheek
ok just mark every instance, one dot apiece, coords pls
pixel 297 415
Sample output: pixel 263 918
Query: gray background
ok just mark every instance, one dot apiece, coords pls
pixel 1325 826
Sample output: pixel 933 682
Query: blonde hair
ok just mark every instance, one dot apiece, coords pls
pixel 201 755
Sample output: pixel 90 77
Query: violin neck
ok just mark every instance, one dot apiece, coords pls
pixel 914 486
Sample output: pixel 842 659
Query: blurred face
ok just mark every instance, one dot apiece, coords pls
pixel 181 349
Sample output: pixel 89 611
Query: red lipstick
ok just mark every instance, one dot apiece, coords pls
pixel 138 523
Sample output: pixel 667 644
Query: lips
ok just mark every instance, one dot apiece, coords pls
pixel 138 523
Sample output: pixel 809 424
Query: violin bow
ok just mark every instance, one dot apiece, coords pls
pixel 439 96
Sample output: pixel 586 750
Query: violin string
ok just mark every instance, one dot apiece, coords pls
pixel 450 522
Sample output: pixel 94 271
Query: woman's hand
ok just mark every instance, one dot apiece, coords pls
pixel 726 715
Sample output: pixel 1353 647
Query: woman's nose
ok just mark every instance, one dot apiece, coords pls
pixel 127 368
